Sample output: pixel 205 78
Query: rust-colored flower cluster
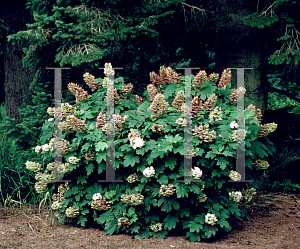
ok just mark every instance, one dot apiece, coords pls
pixel 225 78
pixel 197 106
pixel 152 91
pixel 199 80
pixel 258 113
pixel 178 100
pixel 210 103
pixel 236 95
pixel 100 120
pixel 79 93
pixel 213 77
pixel 166 76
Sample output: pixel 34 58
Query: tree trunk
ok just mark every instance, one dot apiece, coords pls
pixel 17 78
pixel 241 46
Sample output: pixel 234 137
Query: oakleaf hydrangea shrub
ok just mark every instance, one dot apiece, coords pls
pixel 154 197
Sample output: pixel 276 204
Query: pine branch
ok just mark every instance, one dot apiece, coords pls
pixel 290 95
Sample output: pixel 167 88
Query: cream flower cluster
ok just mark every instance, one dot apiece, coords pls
pixel 79 93
pixel 108 71
pixel 62 188
pixel 149 172
pixel 124 222
pixel 73 159
pixel 199 80
pixel 249 194
pixel 213 77
pixel 100 120
pixel 89 155
pixel 215 115
pixel 156 227
pixel 225 78
pixel 73 123
pixel 132 199
pixel 202 198
pixel 159 105
pixel 267 129
pixel 235 176
pixel 181 121
pixel 157 128
pixel 135 140
pixel 133 178
pixel 50 166
pixel 152 91
pixel 235 196
pixel 261 164
pixel 167 190
pixel 99 203
pixel 239 135
pixel 202 132
pixel 234 125
pixel 32 166
pixel 166 76
pixel 56 205
pixel 211 219
pixel 65 168
pixel 196 173
pixel 61 145
pixel 90 81
pixel 51 111
pixel 72 212
pixel 126 89
pixel 40 186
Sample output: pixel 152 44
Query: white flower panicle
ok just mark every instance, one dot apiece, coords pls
pixel 235 176
pixel 156 227
pixel 234 125
pixel 239 135
pixel 97 196
pixel 72 212
pixel 137 143
pixel 235 196
pixel 211 219
pixel 215 115
pixel 56 205
pixel 32 166
pixel 73 159
pixel 149 171
pixel 196 173
pixel 124 222
pixel 167 190
pixel 132 199
pixel 181 121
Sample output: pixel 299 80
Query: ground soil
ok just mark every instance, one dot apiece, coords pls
pixel 275 223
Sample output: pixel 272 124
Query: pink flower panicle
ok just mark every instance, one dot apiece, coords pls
pixel 138 99
pixel 90 81
pixel 100 120
pixel 166 76
pixel 152 91
pixel 79 93
pixel 126 89
pixel 199 80
pixel 178 100
pixel 210 103
pixel 197 105
pixel 258 113
pixel 236 95
pixel 225 78
pixel 119 122
pixel 159 105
